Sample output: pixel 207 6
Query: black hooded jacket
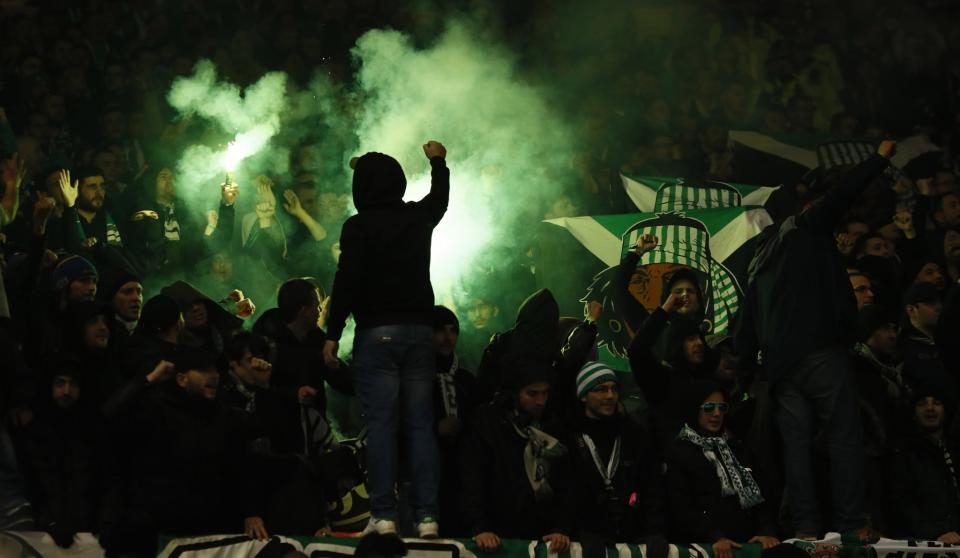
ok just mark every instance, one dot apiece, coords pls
pixel 535 337
pixel 384 271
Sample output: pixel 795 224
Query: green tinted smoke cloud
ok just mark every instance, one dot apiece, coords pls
pixel 249 118
pixel 499 131
pixel 502 136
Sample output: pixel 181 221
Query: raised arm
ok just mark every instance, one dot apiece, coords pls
pixel 437 200
pixel 827 212
pixel 629 307
pixel 292 205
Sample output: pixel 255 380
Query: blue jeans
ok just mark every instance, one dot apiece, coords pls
pixel 820 392
pixel 394 377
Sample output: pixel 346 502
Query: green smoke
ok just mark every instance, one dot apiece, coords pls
pixel 246 119
pixel 500 134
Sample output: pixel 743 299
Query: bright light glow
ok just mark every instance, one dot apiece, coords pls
pixel 464 231
pixel 247 143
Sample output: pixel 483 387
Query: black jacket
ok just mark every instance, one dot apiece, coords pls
pixel 638 508
pixel 467 401
pixel 798 295
pixel 64 463
pixel 663 385
pixel 183 467
pixel 699 511
pixel 496 495
pixel 384 272
pixel 921 492
pixel 923 364
pixel 300 363
pixel 884 401
pixel 274 417
pixel 534 338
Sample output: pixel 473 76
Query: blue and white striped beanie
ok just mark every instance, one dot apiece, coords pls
pixel 593 374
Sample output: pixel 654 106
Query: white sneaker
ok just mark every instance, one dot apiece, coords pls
pixel 381 526
pixel 428 528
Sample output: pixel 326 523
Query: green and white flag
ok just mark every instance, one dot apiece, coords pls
pixel 701 239
pixel 604 235
pixel 661 194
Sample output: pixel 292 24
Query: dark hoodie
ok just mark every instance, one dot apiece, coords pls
pixel 384 271
pixel 664 383
pixel 535 337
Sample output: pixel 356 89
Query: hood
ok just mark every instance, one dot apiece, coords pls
pixel 186 294
pixel 378 180
pixel 537 332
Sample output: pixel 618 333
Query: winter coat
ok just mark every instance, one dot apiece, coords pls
pixel 699 512
pixel 300 363
pixel 663 384
pixel 183 461
pixel 637 509
pixel 922 362
pixel 921 491
pixel 64 458
pixel 495 492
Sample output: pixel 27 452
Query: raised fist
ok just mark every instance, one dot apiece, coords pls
pixel 434 149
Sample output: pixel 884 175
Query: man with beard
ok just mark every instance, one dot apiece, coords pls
pixel 89 226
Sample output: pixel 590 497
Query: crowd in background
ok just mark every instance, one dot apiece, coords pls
pixel 143 391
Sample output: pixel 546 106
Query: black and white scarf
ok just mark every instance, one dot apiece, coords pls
pixel 448 388
pixel 734 477
pixel 540 449
pixel 171 227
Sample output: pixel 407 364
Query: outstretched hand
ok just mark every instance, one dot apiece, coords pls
pixel 70 190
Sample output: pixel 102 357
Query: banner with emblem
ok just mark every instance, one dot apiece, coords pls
pixel 704 240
